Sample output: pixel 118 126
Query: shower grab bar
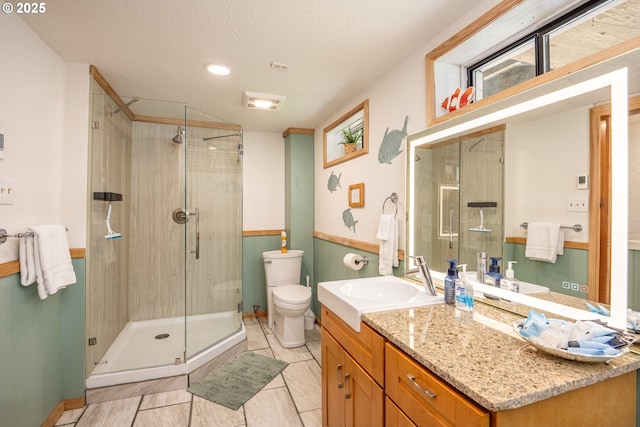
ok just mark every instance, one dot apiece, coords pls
pixel 576 227
pixel 4 235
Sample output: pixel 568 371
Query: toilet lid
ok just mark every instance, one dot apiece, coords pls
pixel 292 293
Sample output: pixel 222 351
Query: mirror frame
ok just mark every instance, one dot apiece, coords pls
pixel 617 82
pixel 363 106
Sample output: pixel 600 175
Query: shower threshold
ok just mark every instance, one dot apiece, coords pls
pixel 138 355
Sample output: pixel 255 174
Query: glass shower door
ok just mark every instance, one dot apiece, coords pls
pixel 213 197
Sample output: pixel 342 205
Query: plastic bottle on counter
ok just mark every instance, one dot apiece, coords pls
pixel 464 290
pixel 450 282
pixel 509 282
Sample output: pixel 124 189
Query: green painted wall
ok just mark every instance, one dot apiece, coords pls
pixel 42 349
pixel 634 280
pixel 254 290
pixel 328 265
pixel 298 151
pixel 572 266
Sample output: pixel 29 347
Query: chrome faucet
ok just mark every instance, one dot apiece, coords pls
pixel 423 269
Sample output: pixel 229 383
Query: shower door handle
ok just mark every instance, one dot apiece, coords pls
pixel 197 251
pixel 451 229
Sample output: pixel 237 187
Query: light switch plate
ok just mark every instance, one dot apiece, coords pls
pixel 577 204
pixel 7 190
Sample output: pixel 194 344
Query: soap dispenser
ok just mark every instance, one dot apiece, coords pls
pixel 493 276
pixel 509 282
pixel 450 282
pixel 464 290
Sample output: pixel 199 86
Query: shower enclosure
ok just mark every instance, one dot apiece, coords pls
pixel 165 298
pixel 459 199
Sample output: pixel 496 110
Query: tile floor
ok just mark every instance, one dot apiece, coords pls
pixel 293 398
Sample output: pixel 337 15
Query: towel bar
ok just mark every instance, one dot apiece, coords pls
pixel 4 235
pixel 576 227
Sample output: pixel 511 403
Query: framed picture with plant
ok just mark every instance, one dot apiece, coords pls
pixel 348 136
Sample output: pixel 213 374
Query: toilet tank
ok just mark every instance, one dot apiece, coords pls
pixel 282 268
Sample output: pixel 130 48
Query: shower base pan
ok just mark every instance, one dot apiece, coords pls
pixel 153 349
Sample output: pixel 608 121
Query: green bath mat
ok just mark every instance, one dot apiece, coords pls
pixel 236 382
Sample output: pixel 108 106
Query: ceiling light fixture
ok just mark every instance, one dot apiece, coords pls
pixel 218 69
pixel 262 101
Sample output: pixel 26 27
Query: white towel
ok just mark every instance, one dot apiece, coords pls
pixel 545 241
pixel 51 261
pixel 388 257
pixel 27 261
pixel 384 226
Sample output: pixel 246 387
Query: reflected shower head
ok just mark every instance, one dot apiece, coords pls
pixel 178 138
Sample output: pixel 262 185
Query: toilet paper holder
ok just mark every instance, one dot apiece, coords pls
pixel 364 260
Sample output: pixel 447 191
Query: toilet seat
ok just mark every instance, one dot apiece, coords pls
pixel 292 294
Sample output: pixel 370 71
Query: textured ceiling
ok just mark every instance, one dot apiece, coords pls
pixel 156 49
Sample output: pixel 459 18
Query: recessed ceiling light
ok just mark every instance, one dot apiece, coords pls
pixel 262 101
pixel 218 69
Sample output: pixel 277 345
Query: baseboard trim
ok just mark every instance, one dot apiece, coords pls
pixel 64 405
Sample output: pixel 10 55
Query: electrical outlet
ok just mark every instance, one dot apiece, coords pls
pixel 566 285
pixel 575 287
pixel 577 204
pixel 7 190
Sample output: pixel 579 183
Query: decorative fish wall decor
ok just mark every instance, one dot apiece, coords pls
pixel 391 143
pixel 349 222
pixel 334 182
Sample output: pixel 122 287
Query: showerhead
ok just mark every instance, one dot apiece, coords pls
pixel 178 138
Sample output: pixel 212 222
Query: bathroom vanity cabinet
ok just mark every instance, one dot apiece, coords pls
pixel 392 373
pixel 352 374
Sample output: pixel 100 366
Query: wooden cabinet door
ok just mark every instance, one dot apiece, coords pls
pixel 364 397
pixel 333 372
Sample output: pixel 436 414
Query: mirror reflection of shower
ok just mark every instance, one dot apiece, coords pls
pixel 178 138
pixel 212 146
pixel 220 136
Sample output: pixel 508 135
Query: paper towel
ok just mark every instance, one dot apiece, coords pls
pixel 353 261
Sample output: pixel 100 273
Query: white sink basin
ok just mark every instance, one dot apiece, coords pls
pixel 379 291
pixel 350 298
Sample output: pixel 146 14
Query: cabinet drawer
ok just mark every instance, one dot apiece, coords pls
pixel 444 407
pixel 394 417
pixel 366 346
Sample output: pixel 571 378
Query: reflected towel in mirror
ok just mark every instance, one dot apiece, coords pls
pixel 545 241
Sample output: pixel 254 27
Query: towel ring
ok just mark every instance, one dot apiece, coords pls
pixel 394 199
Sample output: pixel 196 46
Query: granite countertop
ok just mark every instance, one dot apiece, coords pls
pixel 481 356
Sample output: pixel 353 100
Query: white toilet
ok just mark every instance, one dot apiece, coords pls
pixel 287 301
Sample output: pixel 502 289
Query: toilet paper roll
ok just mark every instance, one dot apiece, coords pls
pixel 353 261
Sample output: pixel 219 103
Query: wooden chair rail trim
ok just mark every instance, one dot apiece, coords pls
pixel 567 244
pixel 249 233
pixel 13 267
pixel 356 244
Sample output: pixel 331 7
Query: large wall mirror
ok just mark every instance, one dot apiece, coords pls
pixel 348 136
pixel 525 168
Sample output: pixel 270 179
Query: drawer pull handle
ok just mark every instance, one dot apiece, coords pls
pixel 416 385
pixel 347 395
pixel 338 375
